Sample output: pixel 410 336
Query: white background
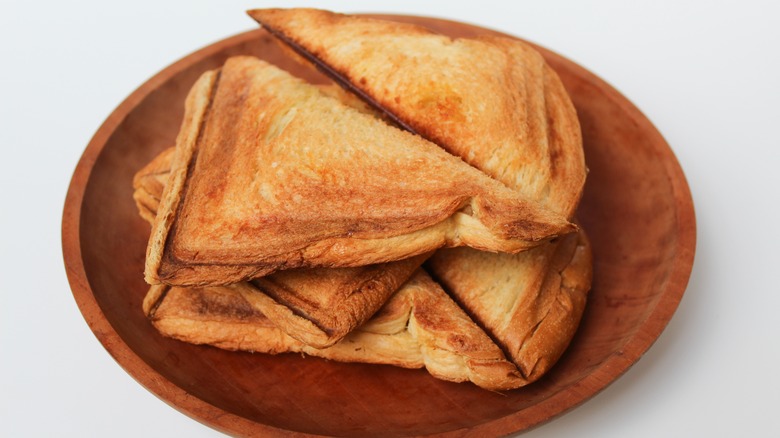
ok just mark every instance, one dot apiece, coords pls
pixel 706 73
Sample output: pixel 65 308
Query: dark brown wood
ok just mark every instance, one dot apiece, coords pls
pixel 637 209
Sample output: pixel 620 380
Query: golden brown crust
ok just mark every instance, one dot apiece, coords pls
pixel 418 327
pixel 530 303
pixel 198 100
pixel 255 134
pixel 483 99
pixel 453 346
pixel 316 306
pixel 320 306
pixel 216 316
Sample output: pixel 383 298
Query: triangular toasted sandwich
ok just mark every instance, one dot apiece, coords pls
pixel 271 174
pixel 316 306
pixel 492 101
pixel 495 103
pixel 420 326
pixel 529 303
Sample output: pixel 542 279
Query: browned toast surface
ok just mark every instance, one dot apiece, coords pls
pixel 316 306
pixel 530 303
pixel 420 326
pixel 492 101
pixel 270 174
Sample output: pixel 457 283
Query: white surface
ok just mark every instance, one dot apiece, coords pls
pixel 704 72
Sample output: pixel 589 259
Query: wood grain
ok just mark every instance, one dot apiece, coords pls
pixel 637 209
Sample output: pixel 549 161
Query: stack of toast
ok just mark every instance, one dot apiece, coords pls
pixel 422 216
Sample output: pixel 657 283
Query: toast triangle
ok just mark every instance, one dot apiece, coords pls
pixel 315 306
pixel 529 303
pixel 271 174
pixel 420 326
pixel 493 101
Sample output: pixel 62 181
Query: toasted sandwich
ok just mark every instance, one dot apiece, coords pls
pixel 317 306
pixel 237 317
pixel 494 102
pixel 271 174
pixel 420 326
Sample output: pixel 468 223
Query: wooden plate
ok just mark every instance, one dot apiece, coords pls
pixel 637 209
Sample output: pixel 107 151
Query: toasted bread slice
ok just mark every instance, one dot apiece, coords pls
pixel 495 103
pixel 271 174
pixel 420 326
pixel 149 182
pixel 490 100
pixel 315 306
pixel 530 303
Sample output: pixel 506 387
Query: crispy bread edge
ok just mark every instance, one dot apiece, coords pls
pixel 196 107
pixel 355 302
pixel 546 344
